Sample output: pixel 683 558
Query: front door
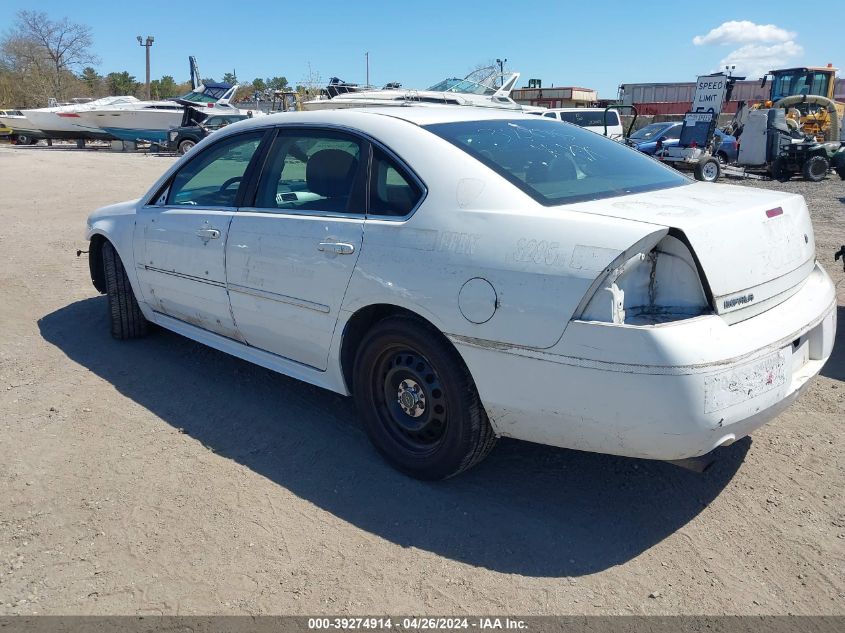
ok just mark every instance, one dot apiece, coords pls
pixel 290 254
pixel 180 241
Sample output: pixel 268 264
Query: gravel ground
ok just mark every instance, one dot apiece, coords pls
pixel 160 476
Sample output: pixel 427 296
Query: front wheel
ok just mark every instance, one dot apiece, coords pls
pixel 815 168
pixel 418 402
pixel 127 320
pixel 707 170
pixel 186 146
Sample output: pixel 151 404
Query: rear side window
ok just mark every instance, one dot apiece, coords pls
pixel 213 178
pixel 550 115
pixel 311 171
pixel 591 118
pixel 392 190
pixel 558 164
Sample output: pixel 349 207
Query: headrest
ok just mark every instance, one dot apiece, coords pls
pixel 329 173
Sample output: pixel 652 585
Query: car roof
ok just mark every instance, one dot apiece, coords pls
pixel 416 114
pixel 580 109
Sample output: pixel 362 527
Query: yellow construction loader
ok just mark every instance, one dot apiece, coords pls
pixel 807 95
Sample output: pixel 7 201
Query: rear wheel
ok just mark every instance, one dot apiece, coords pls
pixel 780 171
pixel 707 170
pixel 186 146
pixel 418 402
pixel 815 168
pixel 127 320
pixel 26 139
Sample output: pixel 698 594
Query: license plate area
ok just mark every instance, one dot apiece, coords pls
pixel 735 386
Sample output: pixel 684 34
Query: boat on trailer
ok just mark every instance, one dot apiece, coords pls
pixel 485 88
pixel 151 120
pixel 60 122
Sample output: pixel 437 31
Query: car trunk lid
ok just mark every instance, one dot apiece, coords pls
pixel 755 247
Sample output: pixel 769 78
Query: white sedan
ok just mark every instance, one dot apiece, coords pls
pixel 470 274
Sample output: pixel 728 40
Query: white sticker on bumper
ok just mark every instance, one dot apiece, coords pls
pixel 737 385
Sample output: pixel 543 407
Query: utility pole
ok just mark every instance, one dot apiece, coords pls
pixel 147 45
pixel 502 63
pixel 367 58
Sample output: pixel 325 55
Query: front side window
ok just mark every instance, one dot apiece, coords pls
pixel 550 115
pixel 392 191
pixel 213 177
pixel 310 171
pixel 672 132
pixel 558 164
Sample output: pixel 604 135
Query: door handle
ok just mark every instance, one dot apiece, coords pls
pixel 208 234
pixel 341 248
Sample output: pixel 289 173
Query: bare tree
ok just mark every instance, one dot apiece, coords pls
pixel 47 52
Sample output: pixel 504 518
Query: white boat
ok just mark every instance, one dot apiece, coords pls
pixel 22 129
pixel 472 90
pixel 61 121
pixel 151 120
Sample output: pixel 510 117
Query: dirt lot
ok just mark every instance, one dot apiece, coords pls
pixel 160 476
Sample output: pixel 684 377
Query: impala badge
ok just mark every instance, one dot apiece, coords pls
pixel 742 300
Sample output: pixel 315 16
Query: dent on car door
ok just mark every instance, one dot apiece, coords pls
pixel 180 240
pixel 291 253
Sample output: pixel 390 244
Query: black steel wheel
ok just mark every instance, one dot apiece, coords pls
pixel 418 402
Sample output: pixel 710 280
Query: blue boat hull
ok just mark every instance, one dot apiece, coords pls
pixel 137 135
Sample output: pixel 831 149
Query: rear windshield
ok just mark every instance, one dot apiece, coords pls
pixel 590 118
pixel 557 163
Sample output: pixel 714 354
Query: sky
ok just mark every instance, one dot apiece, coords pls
pixel 588 44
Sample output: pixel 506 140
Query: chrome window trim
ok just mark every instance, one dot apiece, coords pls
pixel 336 215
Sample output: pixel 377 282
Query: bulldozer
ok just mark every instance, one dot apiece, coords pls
pixel 807 94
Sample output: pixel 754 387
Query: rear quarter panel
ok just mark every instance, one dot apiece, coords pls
pixel 474 224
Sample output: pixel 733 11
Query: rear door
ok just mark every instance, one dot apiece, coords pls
pixel 292 251
pixel 180 241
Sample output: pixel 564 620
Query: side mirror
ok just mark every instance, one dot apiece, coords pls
pixel 765 79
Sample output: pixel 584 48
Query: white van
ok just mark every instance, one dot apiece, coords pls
pixel 590 118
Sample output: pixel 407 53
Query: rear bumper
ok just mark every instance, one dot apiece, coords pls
pixel 659 392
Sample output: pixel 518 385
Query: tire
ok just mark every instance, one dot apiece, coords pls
pixel 127 321
pixel 722 158
pixel 815 168
pixel 779 171
pixel 708 170
pixel 840 171
pixel 186 145
pixel 418 402
pixel 26 139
